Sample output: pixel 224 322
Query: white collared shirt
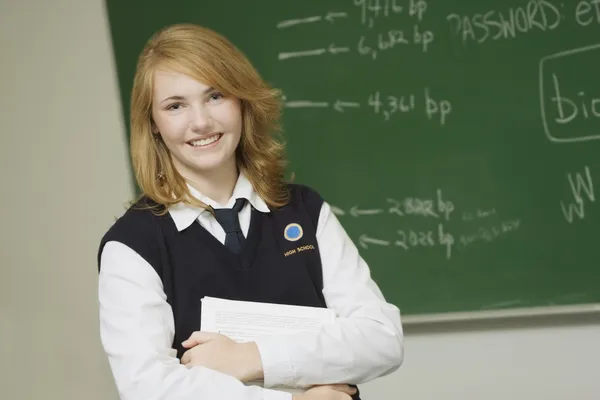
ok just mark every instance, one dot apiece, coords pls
pixel 137 326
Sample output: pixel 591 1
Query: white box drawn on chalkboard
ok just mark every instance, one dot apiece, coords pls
pixel 568 108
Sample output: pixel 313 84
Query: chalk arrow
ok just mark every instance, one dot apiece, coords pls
pixel 331 16
pixel 365 240
pixel 292 22
pixel 356 212
pixel 303 53
pixel 337 210
pixel 335 50
pixel 306 104
pixel 332 49
pixel 340 105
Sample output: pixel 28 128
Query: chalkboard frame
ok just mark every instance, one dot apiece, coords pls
pixel 591 309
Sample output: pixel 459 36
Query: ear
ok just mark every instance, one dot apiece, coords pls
pixel 154 128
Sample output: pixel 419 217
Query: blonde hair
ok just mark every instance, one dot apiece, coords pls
pixel 209 58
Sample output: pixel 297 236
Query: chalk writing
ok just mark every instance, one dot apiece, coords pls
pixel 372 10
pixel 477 214
pixel 432 108
pixel 424 207
pixel 329 17
pixel 446 239
pixel 337 211
pixel 490 233
pixel 408 239
pixel 341 105
pixel 390 105
pixel 373 46
pixel 567 108
pixel 436 208
pixel 564 104
pixel 356 212
pixel 587 12
pixel 331 49
pixel 338 105
pixel 364 241
pixel 537 15
pixel 439 209
pixel 578 207
pixel 306 104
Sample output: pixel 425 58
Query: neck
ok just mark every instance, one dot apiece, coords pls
pixel 217 184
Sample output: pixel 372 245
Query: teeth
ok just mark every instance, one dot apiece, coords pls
pixel 207 141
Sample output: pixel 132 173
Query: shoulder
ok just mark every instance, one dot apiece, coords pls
pixel 138 218
pixel 304 194
pixel 139 228
pixel 307 198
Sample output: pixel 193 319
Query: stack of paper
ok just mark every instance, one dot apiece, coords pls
pixel 245 321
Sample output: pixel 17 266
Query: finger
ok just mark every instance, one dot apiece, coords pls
pixel 344 388
pixel 197 338
pixel 185 358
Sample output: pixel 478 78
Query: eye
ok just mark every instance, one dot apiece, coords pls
pixel 216 96
pixel 174 106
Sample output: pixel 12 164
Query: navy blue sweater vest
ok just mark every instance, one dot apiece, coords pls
pixel 279 262
pixel 274 266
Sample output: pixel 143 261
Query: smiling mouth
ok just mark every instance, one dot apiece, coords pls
pixel 205 141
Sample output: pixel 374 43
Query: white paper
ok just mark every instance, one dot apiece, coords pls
pixel 245 321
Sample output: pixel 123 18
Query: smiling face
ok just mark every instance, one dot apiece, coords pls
pixel 199 125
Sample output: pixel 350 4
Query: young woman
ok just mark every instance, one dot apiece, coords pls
pixel 217 219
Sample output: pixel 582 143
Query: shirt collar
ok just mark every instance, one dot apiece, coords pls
pixel 184 214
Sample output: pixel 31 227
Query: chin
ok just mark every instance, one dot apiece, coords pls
pixel 211 165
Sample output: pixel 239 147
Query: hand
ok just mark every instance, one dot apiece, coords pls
pixel 327 392
pixel 220 353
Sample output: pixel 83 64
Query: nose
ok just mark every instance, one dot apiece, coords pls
pixel 200 120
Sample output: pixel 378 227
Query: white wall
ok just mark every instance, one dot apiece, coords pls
pixel 552 362
pixel 63 161
pixel 65 177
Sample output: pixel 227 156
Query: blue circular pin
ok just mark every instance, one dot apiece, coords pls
pixel 293 232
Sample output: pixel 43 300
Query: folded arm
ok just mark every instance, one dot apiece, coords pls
pixel 365 342
pixel 137 330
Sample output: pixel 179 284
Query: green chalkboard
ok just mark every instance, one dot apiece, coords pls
pixel 456 140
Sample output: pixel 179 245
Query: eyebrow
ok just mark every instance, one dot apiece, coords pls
pixel 177 97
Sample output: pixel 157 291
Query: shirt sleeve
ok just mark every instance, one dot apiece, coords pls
pixel 137 330
pixel 365 342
